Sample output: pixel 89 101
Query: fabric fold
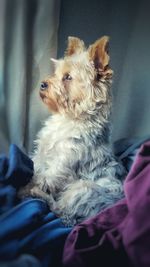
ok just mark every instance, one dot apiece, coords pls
pixel 118 236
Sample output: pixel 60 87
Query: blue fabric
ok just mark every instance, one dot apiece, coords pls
pixel 31 235
pixel 126 149
pixel 23 261
pixel 27 228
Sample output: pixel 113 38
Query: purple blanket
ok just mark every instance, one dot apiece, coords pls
pixel 119 236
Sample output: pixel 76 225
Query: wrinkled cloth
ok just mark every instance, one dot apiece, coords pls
pixel 28 227
pixel 126 149
pixel 31 235
pixel 23 261
pixel 120 235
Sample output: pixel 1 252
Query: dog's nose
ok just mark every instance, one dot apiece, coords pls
pixel 43 86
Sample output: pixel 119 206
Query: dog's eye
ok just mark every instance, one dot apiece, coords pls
pixel 67 77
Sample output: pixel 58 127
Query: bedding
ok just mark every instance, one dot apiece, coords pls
pixel 31 235
pixel 27 228
pixel 120 235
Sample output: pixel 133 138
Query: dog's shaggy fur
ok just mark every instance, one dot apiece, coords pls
pixel 75 168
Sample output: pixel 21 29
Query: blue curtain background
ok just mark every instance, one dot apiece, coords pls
pixel 28 38
pixel 29 33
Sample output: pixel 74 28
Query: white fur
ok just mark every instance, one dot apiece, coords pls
pixel 70 166
pixel 75 169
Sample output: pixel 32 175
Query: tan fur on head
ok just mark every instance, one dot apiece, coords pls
pixel 80 84
pixel 75 45
pixel 98 53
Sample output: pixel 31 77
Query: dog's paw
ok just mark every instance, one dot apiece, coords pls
pixel 25 192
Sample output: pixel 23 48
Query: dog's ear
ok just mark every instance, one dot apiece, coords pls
pixel 75 46
pixel 98 53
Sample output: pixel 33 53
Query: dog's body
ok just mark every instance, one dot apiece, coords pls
pixel 75 168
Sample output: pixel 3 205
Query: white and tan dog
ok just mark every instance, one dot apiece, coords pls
pixel 76 171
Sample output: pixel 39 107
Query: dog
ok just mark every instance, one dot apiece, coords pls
pixel 75 169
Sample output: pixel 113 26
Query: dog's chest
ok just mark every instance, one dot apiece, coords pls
pixel 57 135
pixel 65 150
pixel 56 155
pixel 55 144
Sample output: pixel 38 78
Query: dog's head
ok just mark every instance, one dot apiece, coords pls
pixel 80 84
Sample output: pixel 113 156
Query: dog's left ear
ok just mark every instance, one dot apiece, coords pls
pixel 75 46
pixel 98 53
